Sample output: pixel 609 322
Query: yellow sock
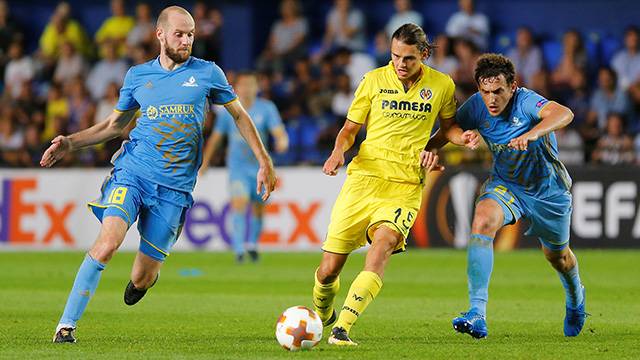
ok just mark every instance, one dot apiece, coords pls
pixel 323 295
pixel 363 290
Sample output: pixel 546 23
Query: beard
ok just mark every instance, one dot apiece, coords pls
pixel 176 56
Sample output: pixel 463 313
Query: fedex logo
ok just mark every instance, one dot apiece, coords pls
pixel 16 210
pixel 204 223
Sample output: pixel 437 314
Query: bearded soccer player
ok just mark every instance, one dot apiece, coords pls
pixel 155 172
pixel 381 196
pixel 527 180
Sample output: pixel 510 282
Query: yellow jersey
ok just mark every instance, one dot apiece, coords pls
pixel 398 123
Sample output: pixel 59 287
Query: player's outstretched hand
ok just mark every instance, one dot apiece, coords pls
pixel 266 180
pixel 333 163
pixel 471 139
pixel 429 161
pixel 60 146
pixel 522 142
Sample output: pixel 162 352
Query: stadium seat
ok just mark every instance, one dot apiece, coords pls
pixel 502 42
pixel 608 47
pixel 552 52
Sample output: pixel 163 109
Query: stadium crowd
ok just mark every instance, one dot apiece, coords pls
pixel 71 81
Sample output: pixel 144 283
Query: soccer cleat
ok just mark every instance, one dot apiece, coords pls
pixel 239 258
pixel 64 335
pixel 132 294
pixel 340 337
pixel 331 319
pixel 253 255
pixel 574 318
pixel 471 323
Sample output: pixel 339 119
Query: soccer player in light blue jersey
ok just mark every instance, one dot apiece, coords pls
pixel 155 171
pixel 527 180
pixel 242 164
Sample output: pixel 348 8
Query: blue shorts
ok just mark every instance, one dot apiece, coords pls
pixel 160 211
pixel 550 216
pixel 242 184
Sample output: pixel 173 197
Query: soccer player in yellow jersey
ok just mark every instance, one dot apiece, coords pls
pixel 381 196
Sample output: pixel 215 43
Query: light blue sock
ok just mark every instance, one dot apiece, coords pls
pixel 255 228
pixel 83 288
pixel 239 231
pixel 479 266
pixel 572 287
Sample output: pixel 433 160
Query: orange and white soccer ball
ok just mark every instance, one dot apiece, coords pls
pixel 299 328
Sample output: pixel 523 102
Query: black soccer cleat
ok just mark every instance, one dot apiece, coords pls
pixel 132 294
pixel 253 255
pixel 64 335
pixel 340 337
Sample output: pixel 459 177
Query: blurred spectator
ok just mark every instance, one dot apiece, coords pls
pixel 139 55
pixel 9 32
pixel 615 147
pixel 60 29
pixel 470 25
pixel 56 113
pixel 107 103
pixel 441 58
pixel 403 15
pixel 287 41
pixel 381 49
pixel 33 148
pixel 636 145
pixel 345 27
pixel 81 107
pixel 540 83
pixel 110 69
pixel 570 146
pixel 115 29
pixel 11 137
pixel 144 30
pixel 354 64
pixel 342 97
pixel 526 56
pixel 208 40
pixel 19 71
pixel 578 101
pixel 573 60
pixel 467 54
pixel 70 64
pixel 626 62
pixel 608 98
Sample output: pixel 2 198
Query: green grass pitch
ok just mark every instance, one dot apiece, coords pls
pixel 205 306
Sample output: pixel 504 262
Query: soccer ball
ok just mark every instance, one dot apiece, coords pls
pixel 298 328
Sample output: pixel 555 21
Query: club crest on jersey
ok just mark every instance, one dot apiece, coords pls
pixel 152 112
pixel 149 85
pixel 426 94
pixel 515 121
pixel 190 83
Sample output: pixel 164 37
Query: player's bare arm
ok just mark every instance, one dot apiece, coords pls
pixel 450 131
pixel 266 175
pixel 281 139
pixel 210 148
pixel 553 116
pixel 344 141
pixel 112 127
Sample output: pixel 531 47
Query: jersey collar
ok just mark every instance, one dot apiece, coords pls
pixel 156 63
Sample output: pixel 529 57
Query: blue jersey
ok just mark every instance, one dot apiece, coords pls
pixel 165 147
pixel 239 155
pixel 537 170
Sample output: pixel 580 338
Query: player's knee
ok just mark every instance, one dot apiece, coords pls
pixel 103 251
pixel 485 224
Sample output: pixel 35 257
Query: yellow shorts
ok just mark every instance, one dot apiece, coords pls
pixel 364 204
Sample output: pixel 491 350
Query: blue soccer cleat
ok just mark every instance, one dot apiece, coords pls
pixel 471 323
pixel 574 318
